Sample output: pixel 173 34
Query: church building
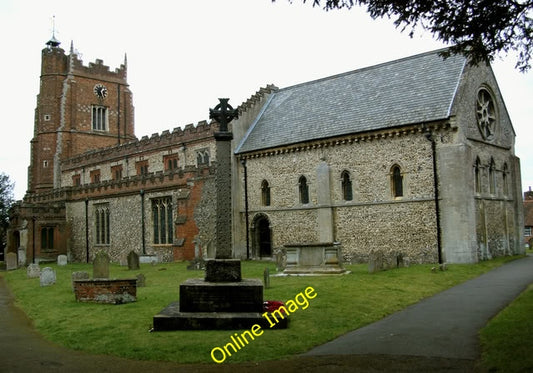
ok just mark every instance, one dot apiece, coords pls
pixel 411 158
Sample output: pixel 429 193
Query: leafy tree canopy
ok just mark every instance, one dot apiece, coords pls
pixel 478 29
pixel 6 199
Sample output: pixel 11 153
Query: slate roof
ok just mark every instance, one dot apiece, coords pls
pixel 411 90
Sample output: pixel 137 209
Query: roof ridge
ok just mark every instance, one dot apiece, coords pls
pixel 414 56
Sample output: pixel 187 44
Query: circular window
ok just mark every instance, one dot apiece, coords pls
pixel 485 114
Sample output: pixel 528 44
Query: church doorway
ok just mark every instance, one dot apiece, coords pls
pixel 262 237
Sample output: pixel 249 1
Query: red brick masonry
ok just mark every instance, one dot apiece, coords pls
pixel 106 291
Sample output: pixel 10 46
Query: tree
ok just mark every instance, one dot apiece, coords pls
pixel 479 29
pixel 6 200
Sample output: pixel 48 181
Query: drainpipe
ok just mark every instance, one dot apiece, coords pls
pixel 87 228
pixel 430 137
pixel 118 113
pixel 243 162
pixel 33 237
pixel 142 222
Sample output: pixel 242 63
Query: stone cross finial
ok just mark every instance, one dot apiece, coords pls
pixel 223 113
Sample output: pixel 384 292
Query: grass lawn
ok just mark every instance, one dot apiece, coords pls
pixel 342 304
pixel 507 341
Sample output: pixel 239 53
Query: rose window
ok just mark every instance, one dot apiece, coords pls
pixel 486 114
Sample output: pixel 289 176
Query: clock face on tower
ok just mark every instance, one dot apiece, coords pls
pixel 100 91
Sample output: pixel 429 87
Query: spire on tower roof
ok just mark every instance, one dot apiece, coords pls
pixel 53 42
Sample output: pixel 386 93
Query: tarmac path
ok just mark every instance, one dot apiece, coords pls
pixel 439 334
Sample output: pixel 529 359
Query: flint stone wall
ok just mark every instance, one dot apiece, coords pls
pixel 193 216
pixel 373 219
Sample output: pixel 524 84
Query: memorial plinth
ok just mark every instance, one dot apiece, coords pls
pixel 216 305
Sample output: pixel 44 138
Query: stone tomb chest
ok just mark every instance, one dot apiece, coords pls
pixel 314 258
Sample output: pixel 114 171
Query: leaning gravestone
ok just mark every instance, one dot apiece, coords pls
pixel 61 260
pixel 11 261
pixel 101 265
pixel 133 261
pixel 48 276
pixel 33 270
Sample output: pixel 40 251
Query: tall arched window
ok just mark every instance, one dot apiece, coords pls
pixel 477 175
pixel 492 177
pixel 102 224
pixel 303 189
pixel 347 193
pixel 162 220
pixel 396 181
pixel 265 193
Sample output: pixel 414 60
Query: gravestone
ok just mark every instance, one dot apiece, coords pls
pixel 375 262
pixel 22 257
pixel 101 265
pixel 133 261
pixel 141 280
pixel 11 261
pixel 79 275
pixel 33 271
pixel 266 278
pixel 61 260
pixel 47 277
pixel 281 259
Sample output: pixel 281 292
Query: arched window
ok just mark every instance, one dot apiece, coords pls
pixel 477 175
pixel 505 180
pixel 396 181
pixel 347 193
pixel 304 190
pixel 492 177
pixel 265 193
pixel 102 224
pixel 162 220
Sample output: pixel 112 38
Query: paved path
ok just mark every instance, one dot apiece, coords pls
pixel 445 325
pixel 438 334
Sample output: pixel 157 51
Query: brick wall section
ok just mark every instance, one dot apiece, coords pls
pixel 106 291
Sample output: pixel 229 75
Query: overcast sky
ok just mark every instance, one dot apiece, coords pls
pixel 184 55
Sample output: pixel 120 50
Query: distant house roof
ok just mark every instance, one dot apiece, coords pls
pixel 411 90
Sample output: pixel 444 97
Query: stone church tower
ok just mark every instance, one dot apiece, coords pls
pixel 78 109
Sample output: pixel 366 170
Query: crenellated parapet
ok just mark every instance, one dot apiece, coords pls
pixel 125 186
pixel 167 139
pixel 257 97
pixel 97 68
